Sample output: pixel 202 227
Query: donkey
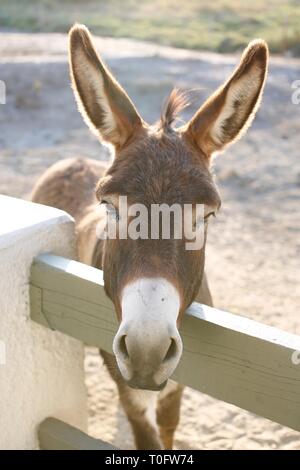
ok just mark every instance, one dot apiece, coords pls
pixel 151 282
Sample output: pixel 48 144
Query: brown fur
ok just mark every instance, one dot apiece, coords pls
pixel 152 165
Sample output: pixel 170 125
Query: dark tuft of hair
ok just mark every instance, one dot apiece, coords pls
pixel 177 101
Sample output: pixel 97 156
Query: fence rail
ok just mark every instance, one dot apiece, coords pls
pixel 227 356
pixel 57 435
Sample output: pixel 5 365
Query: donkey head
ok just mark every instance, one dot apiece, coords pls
pixel 152 281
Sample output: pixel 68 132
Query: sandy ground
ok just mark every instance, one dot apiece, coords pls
pixel 253 254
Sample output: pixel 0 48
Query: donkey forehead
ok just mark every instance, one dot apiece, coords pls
pixel 160 169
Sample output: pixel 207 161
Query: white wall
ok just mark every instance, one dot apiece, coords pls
pixel 41 371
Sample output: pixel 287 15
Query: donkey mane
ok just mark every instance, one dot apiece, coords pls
pixel 176 102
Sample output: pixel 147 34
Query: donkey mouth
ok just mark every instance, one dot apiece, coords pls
pixel 144 384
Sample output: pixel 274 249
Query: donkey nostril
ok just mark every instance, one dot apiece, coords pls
pixel 171 351
pixel 122 347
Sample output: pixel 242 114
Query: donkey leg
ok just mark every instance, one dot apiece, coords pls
pixel 168 412
pixel 137 405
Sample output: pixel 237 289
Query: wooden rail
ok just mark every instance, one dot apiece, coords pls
pixel 229 357
pixel 57 435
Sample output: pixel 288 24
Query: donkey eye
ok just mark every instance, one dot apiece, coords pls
pixel 108 205
pixel 197 224
pixel 207 216
pixel 111 210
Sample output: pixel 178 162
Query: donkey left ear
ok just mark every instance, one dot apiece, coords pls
pixel 231 109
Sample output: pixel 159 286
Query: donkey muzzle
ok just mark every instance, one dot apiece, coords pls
pixel 147 345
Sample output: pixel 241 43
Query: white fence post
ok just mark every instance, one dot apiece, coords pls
pixel 41 371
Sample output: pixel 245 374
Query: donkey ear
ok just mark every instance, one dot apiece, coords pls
pixel 231 109
pixel 103 103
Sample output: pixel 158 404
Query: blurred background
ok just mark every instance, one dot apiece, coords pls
pixel 222 25
pixel 253 253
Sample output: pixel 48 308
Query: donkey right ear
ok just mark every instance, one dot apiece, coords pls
pixel 103 103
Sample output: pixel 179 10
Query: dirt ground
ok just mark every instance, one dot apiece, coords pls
pixel 253 254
